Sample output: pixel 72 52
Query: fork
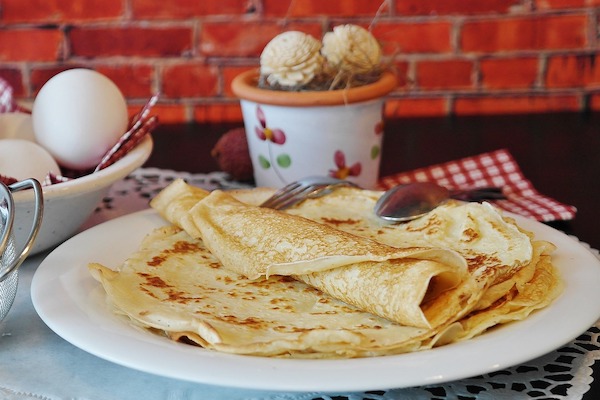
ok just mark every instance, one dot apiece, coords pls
pixel 306 188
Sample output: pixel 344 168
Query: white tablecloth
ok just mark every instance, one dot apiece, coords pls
pixel 35 363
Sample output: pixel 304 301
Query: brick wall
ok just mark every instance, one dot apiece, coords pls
pixel 452 56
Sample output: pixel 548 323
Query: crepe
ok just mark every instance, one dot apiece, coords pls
pixel 513 269
pixel 494 246
pixel 535 287
pixel 179 283
pixel 175 285
pixel 402 284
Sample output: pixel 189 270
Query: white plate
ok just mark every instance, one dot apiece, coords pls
pixel 72 304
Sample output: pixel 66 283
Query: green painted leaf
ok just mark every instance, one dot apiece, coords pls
pixel 284 160
pixel 375 150
pixel 264 162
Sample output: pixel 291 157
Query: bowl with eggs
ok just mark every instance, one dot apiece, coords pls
pixel 67 205
pixel 78 140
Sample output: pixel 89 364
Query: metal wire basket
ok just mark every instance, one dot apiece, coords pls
pixel 10 258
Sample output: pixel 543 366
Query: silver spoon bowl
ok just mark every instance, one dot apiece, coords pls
pixel 413 200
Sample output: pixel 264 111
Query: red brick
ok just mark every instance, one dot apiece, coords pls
pixel 189 80
pixel 558 4
pixel 594 102
pixel 509 73
pixel 415 107
pixel 14 77
pixel 152 9
pixel 133 80
pixel 506 38
pixel 467 7
pixel 573 71
pixel 425 37
pixel 61 10
pixel 311 8
pixel 217 113
pixel 131 41
pixel 230 72
pixel 535 33
pixel 450 74
pixel 312 28
pixel 244 39
pixel 515 104
pixel 167 113
pixel 31 45
pixel 400 68
pixel 39 76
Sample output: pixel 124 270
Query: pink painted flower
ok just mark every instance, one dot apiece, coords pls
pixel 379 128
pixel 343 171
pixel 265 133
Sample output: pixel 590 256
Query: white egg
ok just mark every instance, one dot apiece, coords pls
pixel 16 125
pixel 22 159
pixel 78 115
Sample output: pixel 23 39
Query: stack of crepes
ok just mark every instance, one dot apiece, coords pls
pixel 327 278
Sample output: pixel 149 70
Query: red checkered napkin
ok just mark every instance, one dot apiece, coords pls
pixel 141 126
pixel 497 168
pixel 7 103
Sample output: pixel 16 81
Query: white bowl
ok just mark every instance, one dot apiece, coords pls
pixel 68 205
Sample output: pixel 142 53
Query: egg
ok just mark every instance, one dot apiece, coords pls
pixel 78 115
pixel 22 159
pixel 16 125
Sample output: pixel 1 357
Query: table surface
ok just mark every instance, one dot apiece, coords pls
pixel 558 153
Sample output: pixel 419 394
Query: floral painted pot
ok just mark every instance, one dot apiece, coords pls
pixel 292 135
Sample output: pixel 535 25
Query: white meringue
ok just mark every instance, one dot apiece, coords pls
pixel 291 58
pixel 351 48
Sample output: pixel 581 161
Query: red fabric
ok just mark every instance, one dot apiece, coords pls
pixel 7 103
pixel 141 126
pixel 497 168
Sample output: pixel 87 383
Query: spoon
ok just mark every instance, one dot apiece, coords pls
pixel 413 200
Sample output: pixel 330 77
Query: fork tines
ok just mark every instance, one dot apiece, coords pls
pixel 290 195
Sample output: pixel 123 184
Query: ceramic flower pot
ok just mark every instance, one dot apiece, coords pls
pixel 292 135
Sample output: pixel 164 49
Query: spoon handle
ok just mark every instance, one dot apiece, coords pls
pixel 478 194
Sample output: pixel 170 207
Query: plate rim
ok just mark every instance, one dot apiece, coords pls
pixel 252 372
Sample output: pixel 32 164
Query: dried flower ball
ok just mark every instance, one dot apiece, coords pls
pixel 291 58
pixel 352 49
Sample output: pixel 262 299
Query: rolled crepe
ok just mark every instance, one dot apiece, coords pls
pixel 175 287
pixel 414 286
